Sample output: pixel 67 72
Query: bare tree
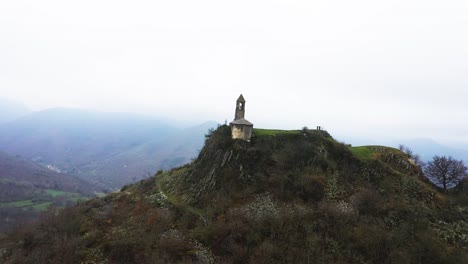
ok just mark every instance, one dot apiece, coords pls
pixel 418 161
pixel 445 170
pixel 415 157
pixel 406 150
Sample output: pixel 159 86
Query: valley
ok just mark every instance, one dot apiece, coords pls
pixel 108 150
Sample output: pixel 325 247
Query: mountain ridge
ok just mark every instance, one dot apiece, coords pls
pixel 107 149
pixel 11 110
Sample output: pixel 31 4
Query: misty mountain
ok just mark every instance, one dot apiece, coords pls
pixel 428 148
pixel 144 159
pixel 10 110
pixel 107 149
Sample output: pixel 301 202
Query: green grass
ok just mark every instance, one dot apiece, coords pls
pixel 55 193
pixel 44 204
pixel 41 206
pixel 24 203
pixel 75 197
pixel 369 152
pixel 273 132
pixel 364 152
pixel 100 194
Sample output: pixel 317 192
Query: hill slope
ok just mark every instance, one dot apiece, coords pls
pixel 27 187
pixel 295 197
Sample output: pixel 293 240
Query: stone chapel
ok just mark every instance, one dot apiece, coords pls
pixel 240 127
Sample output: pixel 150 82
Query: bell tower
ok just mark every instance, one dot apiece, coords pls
pixel 240 127
pixel 240 108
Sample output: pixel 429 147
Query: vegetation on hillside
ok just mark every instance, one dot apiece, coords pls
pixel 287 197
pixel 29 188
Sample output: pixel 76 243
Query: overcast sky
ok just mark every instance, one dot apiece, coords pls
pixel 361 68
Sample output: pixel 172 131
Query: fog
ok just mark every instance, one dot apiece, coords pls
pixel 367 69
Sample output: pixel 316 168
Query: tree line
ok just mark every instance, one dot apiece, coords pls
pixel 442 170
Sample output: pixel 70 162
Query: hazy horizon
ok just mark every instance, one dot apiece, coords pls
pixel 363 69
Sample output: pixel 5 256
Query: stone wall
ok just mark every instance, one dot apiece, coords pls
pixel 241 131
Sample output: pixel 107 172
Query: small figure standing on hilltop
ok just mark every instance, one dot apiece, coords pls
pixel 240 127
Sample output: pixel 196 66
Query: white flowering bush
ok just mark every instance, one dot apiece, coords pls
pixel 453 233
pixel 345 208
pixel 260 208
pixel 203 255
pixel 158 199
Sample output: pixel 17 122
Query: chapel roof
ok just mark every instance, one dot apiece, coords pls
pixel 241 121
pixel 241 99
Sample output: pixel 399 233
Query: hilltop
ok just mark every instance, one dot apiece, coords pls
pixel 285 197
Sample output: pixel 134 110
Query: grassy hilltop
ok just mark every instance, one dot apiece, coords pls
pixel 285 197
